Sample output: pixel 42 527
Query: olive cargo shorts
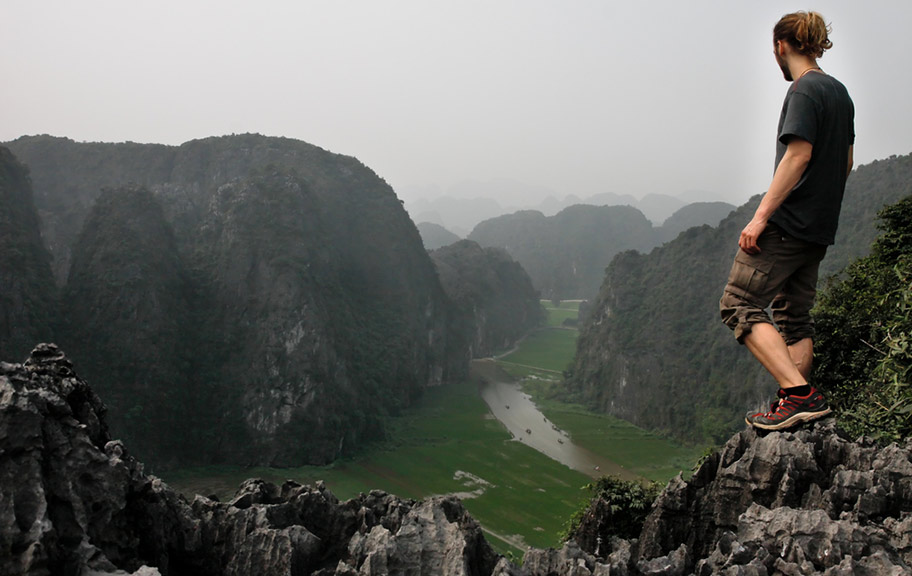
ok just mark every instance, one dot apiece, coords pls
pixel 782 277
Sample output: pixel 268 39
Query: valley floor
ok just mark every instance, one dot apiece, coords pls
pixel 451 442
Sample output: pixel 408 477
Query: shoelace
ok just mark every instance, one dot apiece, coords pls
pixel 780 393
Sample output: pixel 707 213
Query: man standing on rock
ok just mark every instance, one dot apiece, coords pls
pixel 782 246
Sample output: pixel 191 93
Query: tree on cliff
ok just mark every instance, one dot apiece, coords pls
pixel 864 325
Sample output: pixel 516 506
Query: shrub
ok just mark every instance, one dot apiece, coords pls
pixel 864 327
pixel 616 508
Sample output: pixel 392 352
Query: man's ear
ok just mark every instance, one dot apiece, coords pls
pixel 781 48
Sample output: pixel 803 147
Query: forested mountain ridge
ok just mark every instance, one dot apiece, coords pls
pixel 280 292
pixel 435 236
pixel 654 351
pixel 496 304
pixel 691 216
pixel 471 203
pixel 27 291
pixel 566 254
pixel 68 176
pixel 126 304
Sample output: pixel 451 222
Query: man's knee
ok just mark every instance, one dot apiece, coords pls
pixel 794 318
pixel 740 315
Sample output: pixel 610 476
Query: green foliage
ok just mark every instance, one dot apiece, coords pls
pixel 566 254
pixel 622 507
pixel 126 301
pixel 525 496
pixel 262 298
pixel 864 324
pixel 27 291
pixel 494 303
pixel 653 338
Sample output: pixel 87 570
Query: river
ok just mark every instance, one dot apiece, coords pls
pixel 522 418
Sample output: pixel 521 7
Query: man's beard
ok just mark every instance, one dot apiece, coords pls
pixel 783 65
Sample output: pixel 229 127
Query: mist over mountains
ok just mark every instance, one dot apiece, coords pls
pixel 461 211
pixel 233 292
pixel 566 254
pixel 242 299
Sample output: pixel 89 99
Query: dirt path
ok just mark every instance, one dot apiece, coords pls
pixel 515 541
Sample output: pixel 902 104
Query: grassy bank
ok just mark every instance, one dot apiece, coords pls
pixel 538 364
pixel 450 443
pixel 564 311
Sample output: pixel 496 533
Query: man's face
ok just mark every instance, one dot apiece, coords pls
pixel 783 65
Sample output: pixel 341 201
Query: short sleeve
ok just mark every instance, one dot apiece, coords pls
pixel 800 119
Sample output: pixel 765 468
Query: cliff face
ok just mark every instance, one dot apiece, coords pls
pixel 278 288
pixel 494 302
pixel 67 178
pixel 72 500
pixel 126 305
pixel 27 291
pixel 654 336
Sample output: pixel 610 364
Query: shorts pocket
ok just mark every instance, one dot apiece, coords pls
pixel 750 277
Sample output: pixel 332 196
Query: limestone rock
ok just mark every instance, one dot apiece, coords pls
pixel 74 501
pixel 806 502
pixel 64 503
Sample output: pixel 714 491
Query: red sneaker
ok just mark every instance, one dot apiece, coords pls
pixel 790 411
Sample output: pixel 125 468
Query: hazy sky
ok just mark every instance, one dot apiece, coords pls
pixel 578 97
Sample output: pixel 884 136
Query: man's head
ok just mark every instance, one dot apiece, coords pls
pixel 800 34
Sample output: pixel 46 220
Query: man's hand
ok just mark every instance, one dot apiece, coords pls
pixel 750 234
pixel 788 173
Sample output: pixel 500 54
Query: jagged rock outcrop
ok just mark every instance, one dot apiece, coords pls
pixel 70 497
pixel 797 502
pixel 74 501
pixel 802 502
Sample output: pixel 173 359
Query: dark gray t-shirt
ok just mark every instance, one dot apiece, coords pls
pixel 817 108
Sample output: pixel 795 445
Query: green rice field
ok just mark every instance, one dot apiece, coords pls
pixel 450 443
pixel 566 310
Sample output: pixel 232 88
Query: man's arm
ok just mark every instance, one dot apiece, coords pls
pixel 851 160
pixel 788 173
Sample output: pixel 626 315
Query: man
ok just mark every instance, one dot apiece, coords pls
pixel 780 249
